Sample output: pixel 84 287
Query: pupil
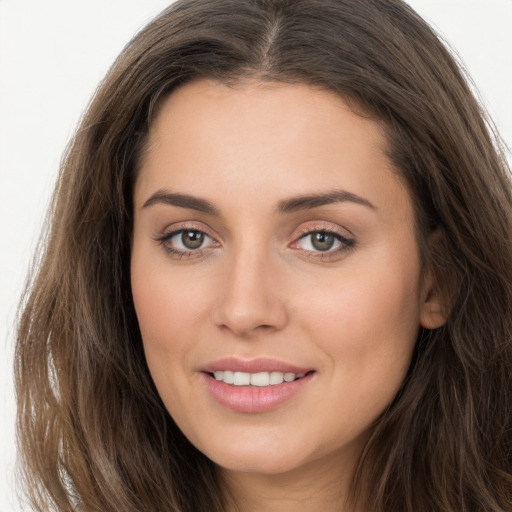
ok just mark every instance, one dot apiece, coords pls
pixel 322 241
pixel 192 239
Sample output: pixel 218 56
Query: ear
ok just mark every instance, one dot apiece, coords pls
pixel 437 294
pixel 434 309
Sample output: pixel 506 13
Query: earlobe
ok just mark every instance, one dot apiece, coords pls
pixel 436 302
pixel 433 314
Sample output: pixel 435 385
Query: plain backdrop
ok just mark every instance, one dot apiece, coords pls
pixel 53 53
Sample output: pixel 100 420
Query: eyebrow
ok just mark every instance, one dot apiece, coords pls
pixel 183 201
pixel 294 204
pixel 310 201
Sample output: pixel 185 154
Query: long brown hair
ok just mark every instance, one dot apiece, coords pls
pixel 93 432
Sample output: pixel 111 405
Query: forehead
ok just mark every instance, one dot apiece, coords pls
pixel 269 140
pixel 258 110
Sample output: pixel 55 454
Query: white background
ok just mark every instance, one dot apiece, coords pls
pixel 53 53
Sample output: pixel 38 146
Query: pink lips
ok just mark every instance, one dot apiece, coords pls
pixel 254 399
pixel 253 366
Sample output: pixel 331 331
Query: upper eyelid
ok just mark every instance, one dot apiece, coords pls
pixel 344 240
pixel 315 227
pixel 336 234
pixel 166 237
pixel 177 227
pixel 327 228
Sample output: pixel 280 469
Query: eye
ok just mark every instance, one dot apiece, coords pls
pixel 323 243
pixel 188 239
pixel 184 242
pixel 319 241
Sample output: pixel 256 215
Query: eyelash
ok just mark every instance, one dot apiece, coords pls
pixel 346 243
pixel 166 237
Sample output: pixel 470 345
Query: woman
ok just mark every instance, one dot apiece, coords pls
pixel 277 277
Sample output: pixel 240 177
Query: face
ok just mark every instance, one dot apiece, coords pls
pixel 275 273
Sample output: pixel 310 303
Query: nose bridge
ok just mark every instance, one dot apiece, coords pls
pixel 249 298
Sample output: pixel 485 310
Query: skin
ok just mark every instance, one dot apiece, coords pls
pixel 257 287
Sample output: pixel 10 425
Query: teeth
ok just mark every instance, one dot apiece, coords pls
pixel 260 379
pixel 229 377
pixel 242 379
pixel 276 378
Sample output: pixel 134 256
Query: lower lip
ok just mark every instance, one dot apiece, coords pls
pixel 254 399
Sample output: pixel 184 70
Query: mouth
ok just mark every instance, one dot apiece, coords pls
pixel 255 386
pixel 259 379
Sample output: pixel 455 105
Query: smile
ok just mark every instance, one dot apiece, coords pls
pixel 255 386
pixel 260 379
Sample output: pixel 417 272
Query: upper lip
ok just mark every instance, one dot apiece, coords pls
pixel 257 365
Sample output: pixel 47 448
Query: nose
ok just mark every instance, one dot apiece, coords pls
pixel 250 298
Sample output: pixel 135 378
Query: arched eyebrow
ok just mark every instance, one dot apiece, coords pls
pixel 182 201
pixel 291 205
pixel 310 201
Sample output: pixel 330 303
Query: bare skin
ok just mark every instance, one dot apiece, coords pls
pixel 230 260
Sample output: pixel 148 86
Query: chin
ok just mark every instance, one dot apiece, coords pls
pixel 258 463
pixel 269 458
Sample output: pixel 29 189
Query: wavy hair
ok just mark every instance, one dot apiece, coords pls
pixel 93 432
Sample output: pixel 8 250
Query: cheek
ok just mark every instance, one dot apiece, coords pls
pixel 367 334
pixel 165 311
pixel 156 305
pixel 164 306
pixel 366 324
pixel 372 307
